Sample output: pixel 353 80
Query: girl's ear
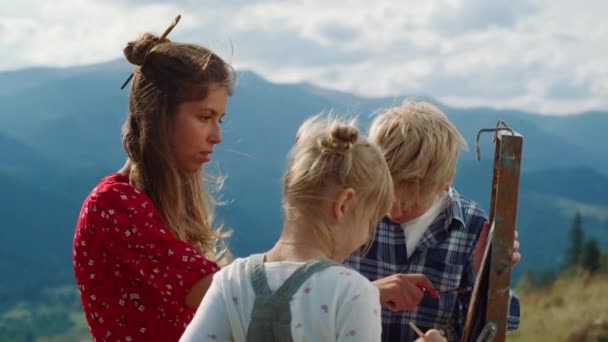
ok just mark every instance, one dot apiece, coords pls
pixel 343 203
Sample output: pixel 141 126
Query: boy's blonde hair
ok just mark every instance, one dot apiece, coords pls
pixel 330 154
pixel 420 146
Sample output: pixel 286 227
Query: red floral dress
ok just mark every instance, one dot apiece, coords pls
pixel 132 273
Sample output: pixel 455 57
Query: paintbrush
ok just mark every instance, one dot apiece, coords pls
pixel 415 328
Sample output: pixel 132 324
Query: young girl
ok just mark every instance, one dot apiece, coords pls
pixel 336 188
pixel 144 249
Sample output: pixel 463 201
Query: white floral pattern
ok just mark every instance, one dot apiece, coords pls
pixel 133 276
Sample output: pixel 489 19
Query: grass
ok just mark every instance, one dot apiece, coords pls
pixel 55 315
pixel 574 308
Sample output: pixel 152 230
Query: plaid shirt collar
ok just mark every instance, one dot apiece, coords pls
pixel 454 213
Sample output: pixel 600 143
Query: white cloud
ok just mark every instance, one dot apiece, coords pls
pixel 475 15
pixel 540 55
pixel 74 32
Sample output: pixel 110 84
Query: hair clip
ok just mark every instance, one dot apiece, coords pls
pixel 162 37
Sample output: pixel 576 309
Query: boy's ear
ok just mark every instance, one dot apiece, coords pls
pixel 344 202
pixel 447 185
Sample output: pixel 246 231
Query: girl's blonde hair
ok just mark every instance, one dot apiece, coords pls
pixel 420 146
pixel 330 154
pixel 166 75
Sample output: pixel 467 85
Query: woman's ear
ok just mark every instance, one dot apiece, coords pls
pixel 343 203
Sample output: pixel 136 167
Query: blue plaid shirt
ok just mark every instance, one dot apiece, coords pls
pixel 445 255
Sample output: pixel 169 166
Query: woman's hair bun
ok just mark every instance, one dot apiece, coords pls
pixel 137 50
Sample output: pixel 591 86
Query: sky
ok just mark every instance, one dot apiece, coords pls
pixel 547 56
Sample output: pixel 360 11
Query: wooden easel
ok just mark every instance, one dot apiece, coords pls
pixel 489 308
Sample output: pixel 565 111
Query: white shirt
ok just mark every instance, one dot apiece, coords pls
pixel 414 229
pixel 334 304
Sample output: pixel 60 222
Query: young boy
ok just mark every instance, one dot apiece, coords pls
pixel 431 229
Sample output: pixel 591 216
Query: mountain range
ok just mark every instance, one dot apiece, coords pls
pixel 60 133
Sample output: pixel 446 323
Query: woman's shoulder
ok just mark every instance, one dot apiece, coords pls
pixel 112 188
pixel 113 196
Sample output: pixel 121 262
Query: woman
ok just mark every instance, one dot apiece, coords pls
pixel 145 248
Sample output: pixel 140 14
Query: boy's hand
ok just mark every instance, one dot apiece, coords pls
pixel 516 254
pixel 404 291
pixel 433 335
pixel 481 246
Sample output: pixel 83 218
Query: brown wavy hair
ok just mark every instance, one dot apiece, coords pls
pixel 169 73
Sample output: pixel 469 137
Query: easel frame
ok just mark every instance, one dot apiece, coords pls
pixel 488 312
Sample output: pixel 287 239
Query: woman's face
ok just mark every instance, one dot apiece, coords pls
pixel 196 129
